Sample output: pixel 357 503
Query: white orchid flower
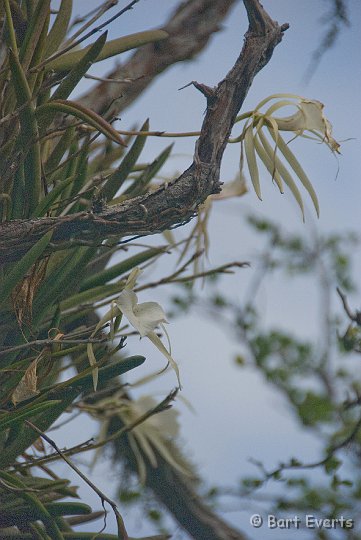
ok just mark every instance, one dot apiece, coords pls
pixel 145 318
pixel 309 117
pixel 152 434
pixel 261 138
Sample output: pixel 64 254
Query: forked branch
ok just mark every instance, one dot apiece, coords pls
pixel 177 201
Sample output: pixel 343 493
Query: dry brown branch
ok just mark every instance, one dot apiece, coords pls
pixel 177 201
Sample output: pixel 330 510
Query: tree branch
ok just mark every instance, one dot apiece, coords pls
pixel 189 27
pixel 177 201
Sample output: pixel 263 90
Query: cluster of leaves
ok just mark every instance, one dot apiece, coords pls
pixel 57 158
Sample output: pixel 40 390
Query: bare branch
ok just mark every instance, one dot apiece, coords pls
pixel 122 533
pixel 353 316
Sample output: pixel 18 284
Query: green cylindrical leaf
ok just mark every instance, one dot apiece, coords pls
pixel 51 197
pixel 59 28
pixel 33 33
pixel 60 149
pixel 116 46
pixel 29 132
pixel 91 296
pixel 116 180
pixel 86 115
pixel 64 278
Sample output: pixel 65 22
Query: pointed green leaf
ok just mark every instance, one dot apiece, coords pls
pixel 29 132
pixel 69 82
pixel 66 393
pixel 60 149
pixel 46 203
pixel 116 180
pixel 58 30
pixel 10 418
pixel 34 502
pixel 139 185
pixel 33 32
pixel 63 278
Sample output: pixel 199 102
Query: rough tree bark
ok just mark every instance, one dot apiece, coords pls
pixel 177 201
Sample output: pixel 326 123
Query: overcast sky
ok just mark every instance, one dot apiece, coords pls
pixel 249 419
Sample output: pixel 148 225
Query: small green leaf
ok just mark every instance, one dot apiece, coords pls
pixel 332 465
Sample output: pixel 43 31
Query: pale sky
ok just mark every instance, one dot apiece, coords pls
pixel 249 419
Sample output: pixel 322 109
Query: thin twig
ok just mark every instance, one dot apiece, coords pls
pixel 224 269
pixel 86 446
pixel 106 80
pixel 354 316
pixel 123 535
pixel 301 466
pixel 48 342
pixel 99 12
